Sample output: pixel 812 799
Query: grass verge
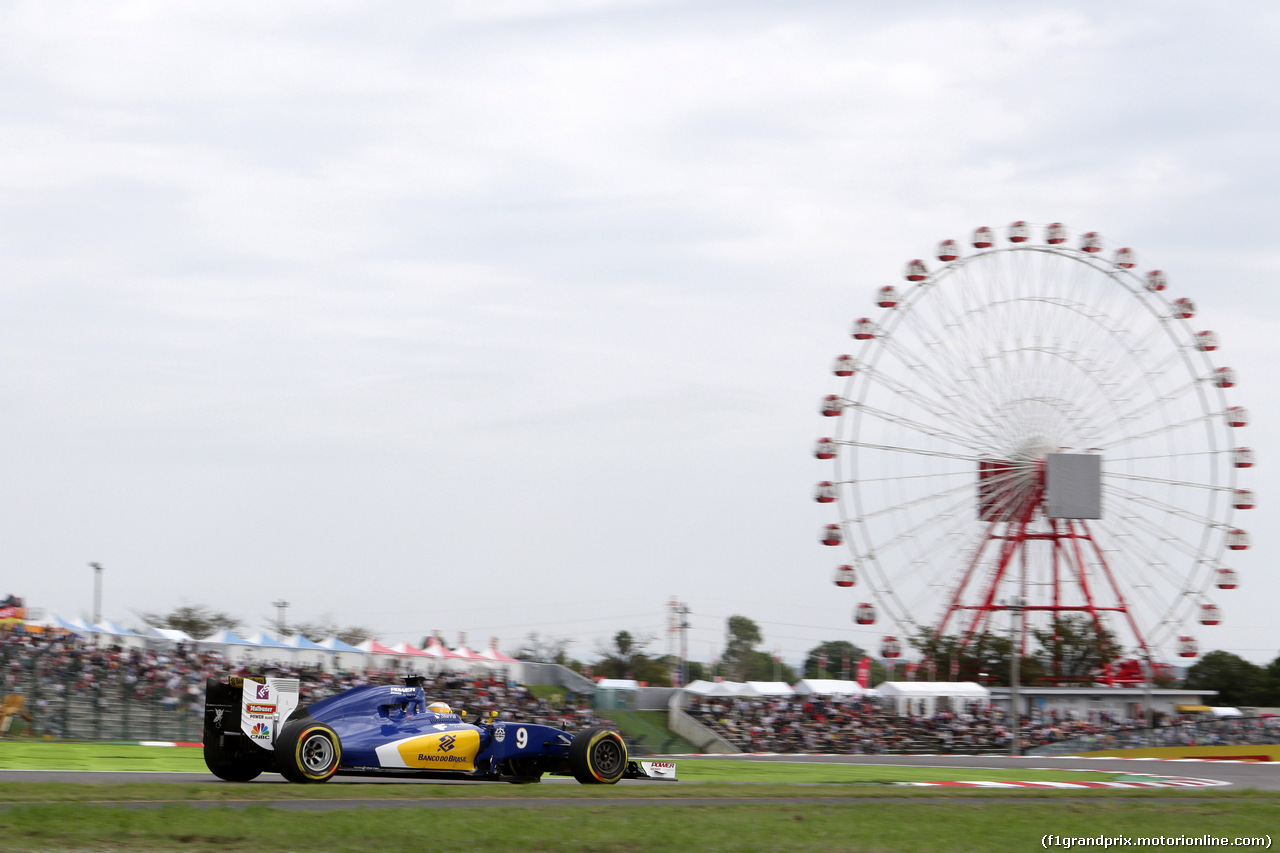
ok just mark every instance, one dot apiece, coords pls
pixel 879 827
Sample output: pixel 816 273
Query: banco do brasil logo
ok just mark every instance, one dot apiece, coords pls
pixel 447 743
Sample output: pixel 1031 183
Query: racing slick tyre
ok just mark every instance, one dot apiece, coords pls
pixel 307 751
pixel 598 756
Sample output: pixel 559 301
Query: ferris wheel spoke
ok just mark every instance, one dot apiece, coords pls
pixel 1169 509
pixel 948 435
pixel 942 385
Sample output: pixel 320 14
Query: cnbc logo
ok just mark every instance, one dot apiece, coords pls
pixel 259 730
pixel 447 743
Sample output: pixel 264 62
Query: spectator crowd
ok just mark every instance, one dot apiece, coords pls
pixel 51 669
pixel 862 725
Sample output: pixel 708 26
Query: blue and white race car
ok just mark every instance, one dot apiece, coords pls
pixel 253 726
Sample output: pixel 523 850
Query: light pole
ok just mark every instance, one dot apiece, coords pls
pixel 281 605
pixel 97 592
pixel 1017 605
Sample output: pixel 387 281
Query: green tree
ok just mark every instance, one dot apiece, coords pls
pixel 325 627
pixel 624 657
pixel 539 649
pixel 1075 649
pixel 1237 681
pixel 1270 697
pixel 742 637
pixel 828 660
pixel 197 621
pixel 837 652
pixel 985 658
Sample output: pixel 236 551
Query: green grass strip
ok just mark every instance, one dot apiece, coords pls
pixel 967 826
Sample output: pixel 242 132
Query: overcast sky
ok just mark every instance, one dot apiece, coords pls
pixel 512 316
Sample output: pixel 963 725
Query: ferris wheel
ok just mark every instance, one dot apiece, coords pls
pixel 1031 424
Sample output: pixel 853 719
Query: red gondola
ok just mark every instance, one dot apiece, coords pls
pixel 888 295
pixel 846 576
pixel 1126 258
pixel 916 270
pixel 1210 614
pixel 832 535
pixel 825 448
pixel 1019 232
pixel 1187 647
pixel 1237 416
pixel 948 250
pixel 832 406
pixel 1227 579
pixel 844 365
pixel 1055 233
pixel 1224 377
pixel 1243 499
pixel 890 647
pixel 983 237
pixel 865 613
pixel 1238 540
pixel 1243 457
pixel 1157 281
pixel 825 492
pixel 1184 308
pixel 864 329
pixel 1206 341
pixel 1091 241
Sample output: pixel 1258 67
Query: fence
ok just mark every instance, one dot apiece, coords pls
pixel 69 699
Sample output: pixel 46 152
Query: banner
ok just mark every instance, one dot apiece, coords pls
pixel 864 672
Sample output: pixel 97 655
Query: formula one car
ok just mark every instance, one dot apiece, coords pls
pixel 255 725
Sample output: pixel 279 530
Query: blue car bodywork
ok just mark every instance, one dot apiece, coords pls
pixel 256 725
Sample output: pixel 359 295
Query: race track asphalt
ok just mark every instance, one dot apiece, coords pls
pixel 1259 775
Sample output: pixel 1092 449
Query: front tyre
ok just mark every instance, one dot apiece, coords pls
pixel 598 756
pixel 308 751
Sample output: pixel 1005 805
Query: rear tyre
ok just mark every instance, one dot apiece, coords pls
pixel 308 751
pixel 598 756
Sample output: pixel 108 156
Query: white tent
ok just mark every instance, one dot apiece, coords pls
pixel 829 687
pixel 766 688
pixel 415 659
pixel 112 634
pixel 345 657
pixel 699 687
pixel 265 647
pixel 166 637
pixel 308 653
pixel 232 645
pixel 726 688
pixel 925 698
pixel 378 655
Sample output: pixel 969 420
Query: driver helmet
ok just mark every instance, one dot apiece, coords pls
pixel 439 708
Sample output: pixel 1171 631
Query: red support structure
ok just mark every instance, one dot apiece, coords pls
pixel 1078 578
